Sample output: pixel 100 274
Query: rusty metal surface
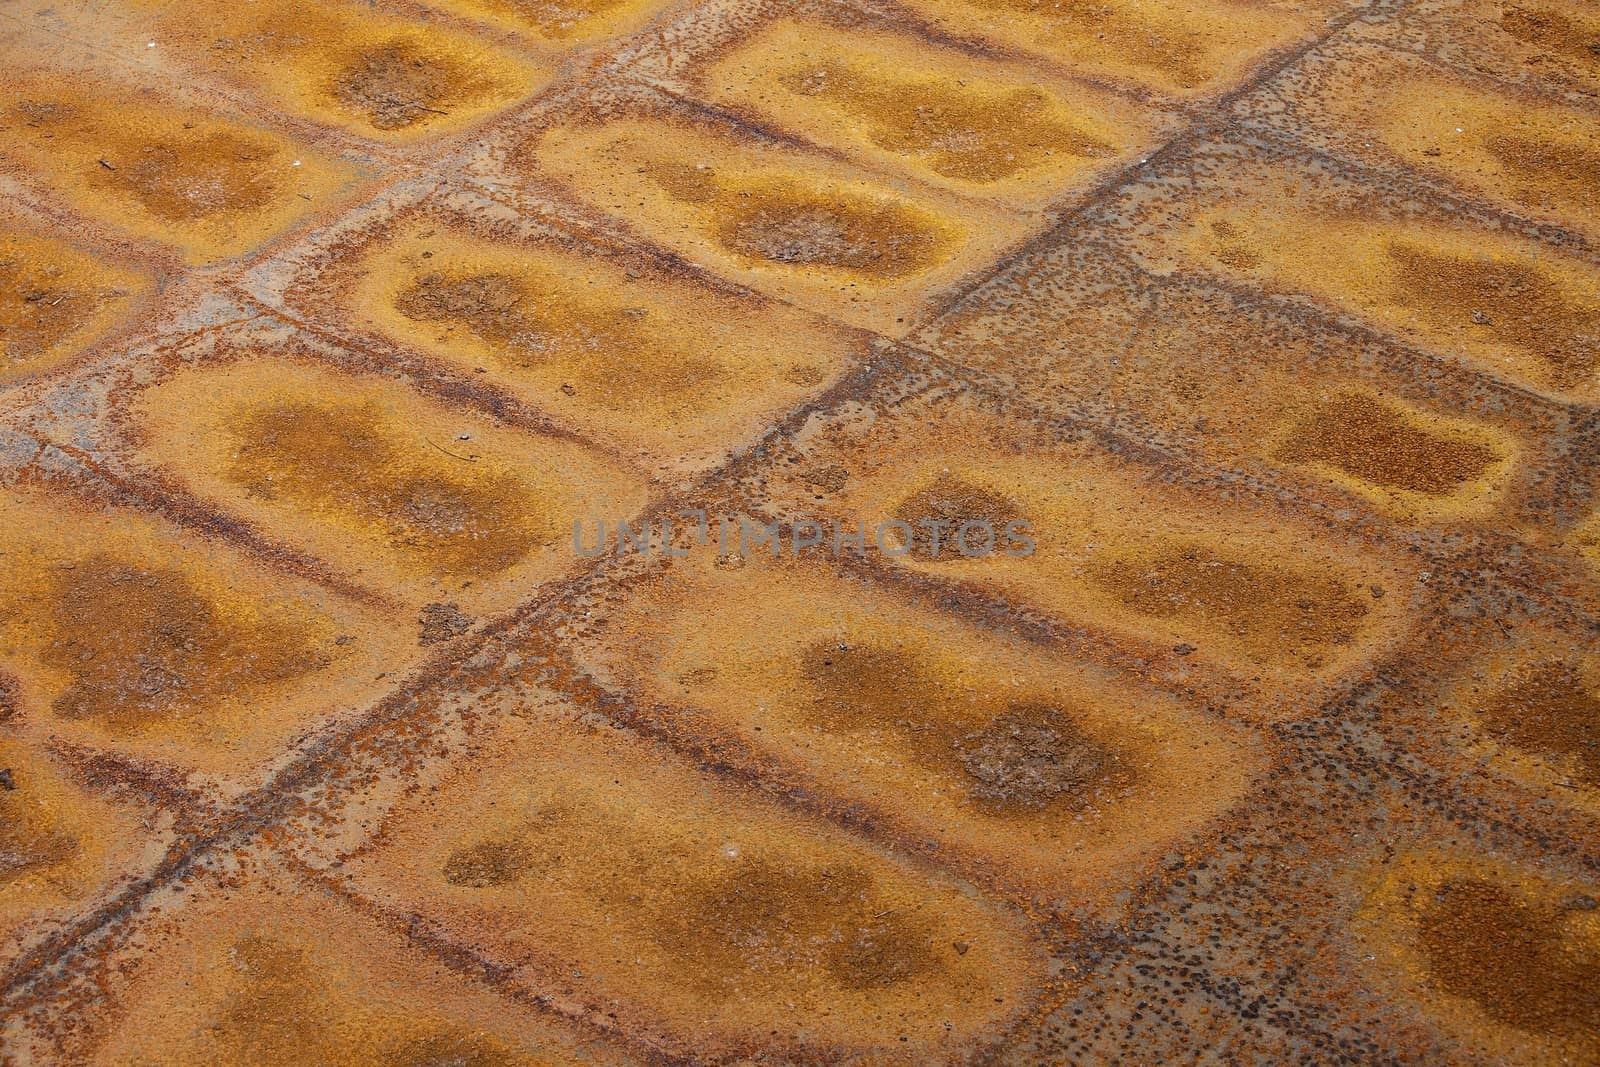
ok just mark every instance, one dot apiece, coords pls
pixel 321 324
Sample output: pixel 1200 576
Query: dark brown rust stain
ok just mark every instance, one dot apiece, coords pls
pixel 764 917
pixel 143 645
pixel 1133 40
pixel 1231 250
pixel 401 83
pixel 281 1009
pixel 754 920
pixel 439 622
pixel 31 843
pixel 1035 756
pixel 1514 303
pixel 10 698
pixel 1370 439
pixel 1265 607
pixel 41 306
pixel 937 513
pixel 488 863
pixel 1029 758
pixel 195 178
pixel 1511 958
pixel 1554 31
pixel 783 222
pixel 496 308
pixel 528 324
pixel 1550 710
pixel 341 458
pixel 977 138
pixel 1540 164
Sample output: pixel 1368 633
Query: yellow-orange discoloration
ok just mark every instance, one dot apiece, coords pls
pixel 564 23
pixel 60 845
pixel 1506 303
pixel 182 177
pixel 1586 540
pixel 1111 548
pixel 1534 158
pixel 55 301
pixel 346 64
pixel 122 637
pixel 975 126
pixel 602 870
pixel 1533 712
pixel 1507 958
pixel 404 493
pixel 772 217
pixel 1053 776
pixel 242 978
pixel 676 371
pixel 1566 35
pixel 1177 46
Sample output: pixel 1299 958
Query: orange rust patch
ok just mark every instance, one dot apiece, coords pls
pixel 346 64
pixel 1054 776
pixel 1175 46
pixel 1552 709
pixel 603 871
pixel 1248 589
pixel 60 845
pixel 55 301
pixel 1237 598
pixel 404 493
pixel 947 118
pixel 561 22
pixel 1533 710
pixel 245 977
pixel 773 217
pixel 213 188
pixel 124 638
pixel 1509 304
pixel 1569 37
pixel 1402 458
pixel 1535 158
pixel 1586 539
pixel 1502 955
pixel 676 371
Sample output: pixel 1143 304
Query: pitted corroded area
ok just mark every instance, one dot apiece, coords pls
pixel 799 532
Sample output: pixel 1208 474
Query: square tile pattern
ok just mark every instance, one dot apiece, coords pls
pixel 488 494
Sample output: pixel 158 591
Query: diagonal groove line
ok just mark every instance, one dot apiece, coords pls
pixel 1184 138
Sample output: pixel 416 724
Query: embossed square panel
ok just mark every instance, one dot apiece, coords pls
pixel 275 970
pixel 609 877
pixel 56 299
pixel 133 158
pixel 1110 544
pixel 424 501
pixel 765 213
pixel 637 353
pixel 976 126
pixel 1530 155
pixel 1050 775
pixel 1179 47
pixel 69 838
pixel 127 636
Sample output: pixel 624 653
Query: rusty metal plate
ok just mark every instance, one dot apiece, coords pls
pixel 874 532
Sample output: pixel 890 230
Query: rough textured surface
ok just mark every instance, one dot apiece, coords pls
pixel 1275 324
